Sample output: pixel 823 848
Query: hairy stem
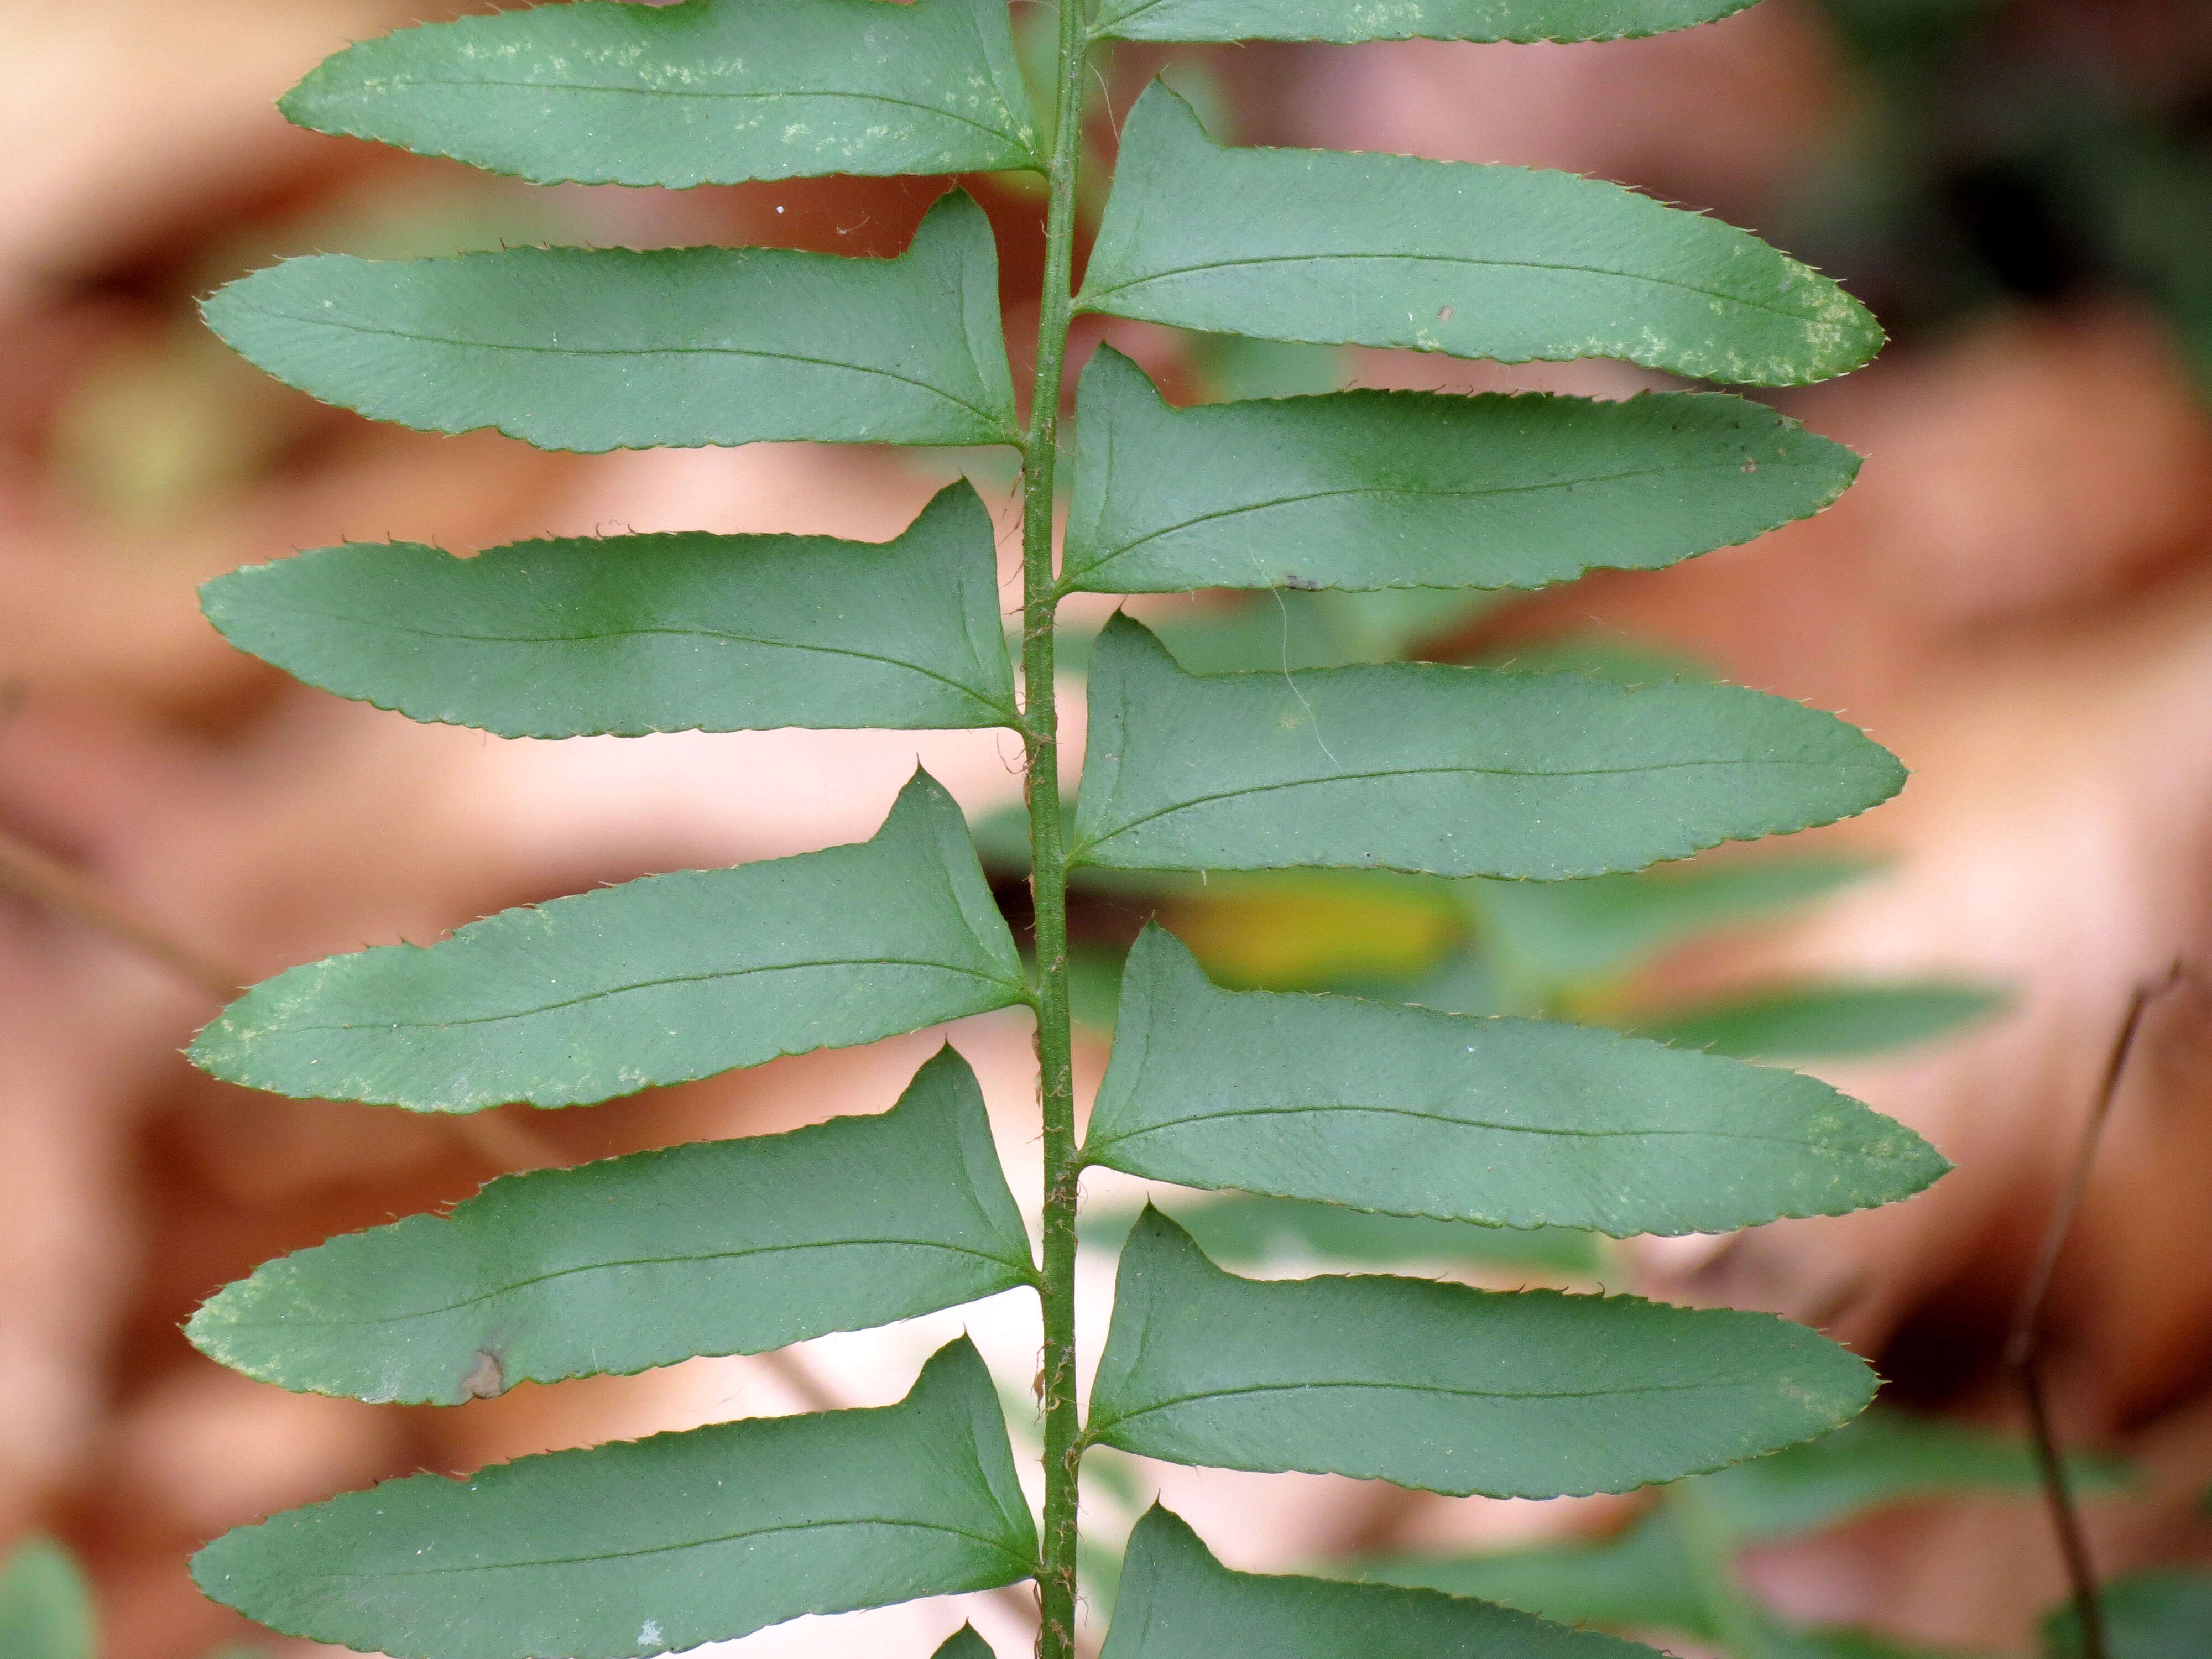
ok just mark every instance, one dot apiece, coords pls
pixel 1048 861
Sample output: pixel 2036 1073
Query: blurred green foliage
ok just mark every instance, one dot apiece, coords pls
pixel 45 1606
pixel 2003 150
pixel 2161 1614
pixel 167 420
pixel 1671 1572
pixel 1826 1021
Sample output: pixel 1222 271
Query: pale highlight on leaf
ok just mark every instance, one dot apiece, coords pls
pixel 638 634
pixel 1375 489
pixel 600 349
pixel 653 1546
pixel 1454 771
pixel 723 1247
pixel 1512 1123
pixel 710 92
pixel 1177 1603
pixel 662 980
pixel 1477 261
pixel 1444 1389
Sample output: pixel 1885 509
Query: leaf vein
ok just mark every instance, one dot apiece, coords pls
pixel 399 81
pixel 384 625
pixel 358 327
pixel 1150 278
pixel 294 1320
pixel 645 985
pixel 687 1544
pixel 1463 1123
pixel 1443 771
pixel 1702 1385
pixel 1415 492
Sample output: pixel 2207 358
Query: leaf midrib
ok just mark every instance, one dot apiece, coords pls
pixel 389 627
pixel 1243 1390
pixel 397 82
pixel 992 1544
pixel 294 1321
pixel 1138 10
pixel 288 1028
pixel 351 326
pixel 1455 259
pixel 1438 771
pixel 1464 1123
pixel 1415 493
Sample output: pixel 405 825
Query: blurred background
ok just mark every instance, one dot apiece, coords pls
pixel 2016 598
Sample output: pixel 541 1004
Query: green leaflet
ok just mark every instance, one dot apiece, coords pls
pixel 723 1246
pixel 714 92
pixel 1178 1602
pixel 1241 1229
pixel 45 1606
pixel 1645 1578
pixel 1454 771
pixel 1477 261
pixel 1827 1021
pixel 1438 1387
pixel 964 1643
pixel 654 1545
pixel 661 980
pixel 599 348
pixel 1399 20
pixel 1376 489
pixel 1567 933
pixel 638 634
pixel 1886 1457
pixel 1642 1578
pixel 2162 1614
pixel 1512 1123
pixel 1778 1641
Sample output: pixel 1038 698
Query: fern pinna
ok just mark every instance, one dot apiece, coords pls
pixel 743 1246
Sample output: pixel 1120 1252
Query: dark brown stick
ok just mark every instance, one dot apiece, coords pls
pixel 2023 1355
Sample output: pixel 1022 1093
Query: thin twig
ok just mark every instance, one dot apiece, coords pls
pixel 799 1378
pixel 2023 1354
pixel 26 871
pixel 506 1146
pixel 39 876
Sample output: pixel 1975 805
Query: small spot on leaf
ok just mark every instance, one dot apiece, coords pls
pixel 487 1378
